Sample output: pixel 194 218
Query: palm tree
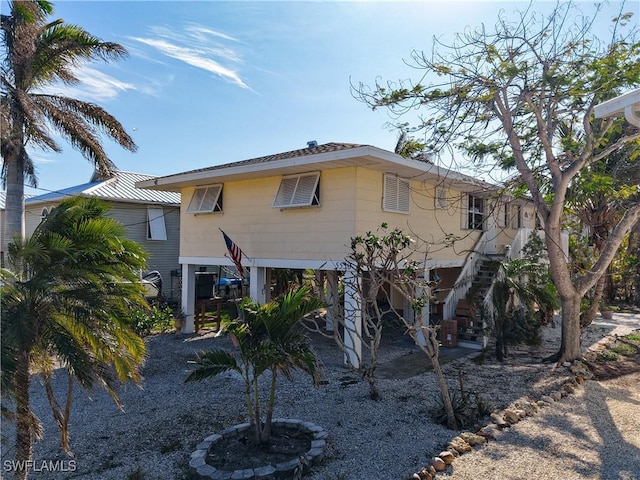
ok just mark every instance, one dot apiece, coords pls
pixel 267 341
pixel 37 54
pixel 67 299
pixel 521 289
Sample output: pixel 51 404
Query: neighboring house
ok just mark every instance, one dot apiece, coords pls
pixel 300 209
pixel 152 218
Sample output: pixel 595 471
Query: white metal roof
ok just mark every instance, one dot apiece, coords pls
pixel 119 188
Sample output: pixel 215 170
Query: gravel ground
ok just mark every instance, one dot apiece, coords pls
pixel 590 435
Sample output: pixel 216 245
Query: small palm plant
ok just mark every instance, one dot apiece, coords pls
pixel 521 288
pixel 267 340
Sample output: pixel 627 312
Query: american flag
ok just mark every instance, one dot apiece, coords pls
pixel 235 252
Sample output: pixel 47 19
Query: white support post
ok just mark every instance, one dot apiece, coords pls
pixel 257 283
pixel 352 320
pixel 333 301
pixel 188 296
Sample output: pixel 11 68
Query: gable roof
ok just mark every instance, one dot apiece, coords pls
pixel 328 155
pixel 121 187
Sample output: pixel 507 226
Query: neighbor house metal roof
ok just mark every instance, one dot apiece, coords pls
pixel 119 188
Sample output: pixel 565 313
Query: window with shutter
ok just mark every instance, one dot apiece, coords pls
pixel 298 191
pixel 396 196
pixel 206 200
pixel 156 227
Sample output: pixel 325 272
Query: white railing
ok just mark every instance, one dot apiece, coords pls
pixel 462 284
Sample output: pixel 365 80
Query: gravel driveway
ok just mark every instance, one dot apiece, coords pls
pixel 593 434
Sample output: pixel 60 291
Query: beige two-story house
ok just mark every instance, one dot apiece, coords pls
pixel 300 209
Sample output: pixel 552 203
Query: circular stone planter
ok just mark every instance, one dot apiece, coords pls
pixel 279 471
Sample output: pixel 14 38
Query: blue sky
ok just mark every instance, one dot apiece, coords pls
pixel 212 82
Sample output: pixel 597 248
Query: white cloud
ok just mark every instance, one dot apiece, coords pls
pixel 198 46
pixel 94 86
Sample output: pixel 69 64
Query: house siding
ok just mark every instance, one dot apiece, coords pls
pixel 266 232
pixel 350 204
pixel 163 254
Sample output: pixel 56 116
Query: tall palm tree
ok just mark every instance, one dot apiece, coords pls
pixel 267 341
pixel 37 53
pixel 67 300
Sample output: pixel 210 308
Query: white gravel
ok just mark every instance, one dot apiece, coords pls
pixel 163 421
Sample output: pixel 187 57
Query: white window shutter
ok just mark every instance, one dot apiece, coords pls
pixel 157 229
pixel 396 196
pixel 205 199
pixel 297 191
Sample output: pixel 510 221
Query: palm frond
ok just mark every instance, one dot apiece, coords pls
pixel 213 363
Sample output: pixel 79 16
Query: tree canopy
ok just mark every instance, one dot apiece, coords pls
pixel 521 96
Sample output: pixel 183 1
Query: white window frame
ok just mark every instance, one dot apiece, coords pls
pixel 471 212
pixel 156 228
pixel 441 198
pixel 396 194
pixel 301 190
pixel 206 199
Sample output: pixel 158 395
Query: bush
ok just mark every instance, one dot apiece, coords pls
pixel 154 319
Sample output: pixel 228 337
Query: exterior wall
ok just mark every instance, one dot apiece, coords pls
pixel 350 204
pixel 262 231
pixel 163 254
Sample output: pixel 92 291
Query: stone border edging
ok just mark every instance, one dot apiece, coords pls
pixel 502 419
pixel 280 471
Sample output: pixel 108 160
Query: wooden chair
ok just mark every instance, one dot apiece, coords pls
pixel 201 318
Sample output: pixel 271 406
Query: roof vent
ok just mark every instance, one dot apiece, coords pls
pixel 312 144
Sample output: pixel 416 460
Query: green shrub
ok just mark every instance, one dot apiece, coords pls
pixel 154 319
pixel 623 349
pixel 633 337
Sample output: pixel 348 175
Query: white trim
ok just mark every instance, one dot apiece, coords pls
pixel 626 105
pixel 315 264
pixel 364 156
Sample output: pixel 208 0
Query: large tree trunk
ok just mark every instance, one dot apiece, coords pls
pixel 13 217
pixel 25 420
pixel 570 347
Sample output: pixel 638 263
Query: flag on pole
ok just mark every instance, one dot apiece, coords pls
pixel 235 252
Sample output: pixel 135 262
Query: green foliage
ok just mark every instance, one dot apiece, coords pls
pixel 145 321
pixel 468 408
pixel 267 340
pixel 67 297
pixel 633 337
pixel 521 296
pixel 623 349
pixel 607 356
